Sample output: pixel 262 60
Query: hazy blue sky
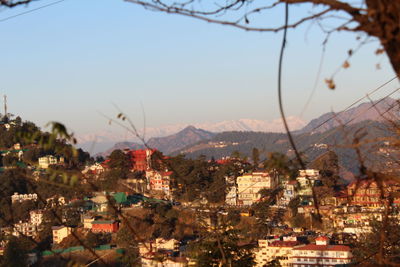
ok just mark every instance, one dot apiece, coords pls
pixel 71 61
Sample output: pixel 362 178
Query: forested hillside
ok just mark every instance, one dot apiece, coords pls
pixel 338 139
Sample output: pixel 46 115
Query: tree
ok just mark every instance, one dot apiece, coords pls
pixel 14 254
pixel 126 240
pixel 368 252
pixel 255 156
pixel 235 154
pixel 221 248
pixel 121 162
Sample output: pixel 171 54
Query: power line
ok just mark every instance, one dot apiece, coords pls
pixel 32 10
pixel 355 117
pixel 354 103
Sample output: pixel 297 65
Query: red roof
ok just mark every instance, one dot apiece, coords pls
pixel 292 182
pixel 324 247
pixel 223 161
pixel 322 238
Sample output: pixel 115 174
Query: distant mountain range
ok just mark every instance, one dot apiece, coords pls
pixel 167 144
pixel 194 141
pixel 100 142
pixel 362 112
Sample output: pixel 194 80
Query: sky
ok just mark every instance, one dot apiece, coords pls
pixel 76 61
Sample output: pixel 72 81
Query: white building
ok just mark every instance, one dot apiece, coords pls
pixel 249 186
pixel 321 254
pixel 289 192
pixel 96 169
pixel 46 161
pixel 160 244
pixel 306 180
pixel 169 262
pixel 19 198
pixel 275 250
pixel 24 229
pixel 159 181
pixel 231 196
pixel 36 217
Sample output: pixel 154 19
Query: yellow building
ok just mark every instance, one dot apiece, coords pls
pixel 249 186
pixel 60 232
pixel 46 161
pixel 275 250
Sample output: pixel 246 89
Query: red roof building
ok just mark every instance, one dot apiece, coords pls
pixel 368 193
pixel 105 226
pixel 141 159
pixel 275 250
pixel 321 254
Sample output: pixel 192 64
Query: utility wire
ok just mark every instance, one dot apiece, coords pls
pixel 30 11
pixel 348 122
pixel 354 103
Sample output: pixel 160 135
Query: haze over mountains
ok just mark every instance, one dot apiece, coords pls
pixel 378 111
pixel 100 142
pixel 192 135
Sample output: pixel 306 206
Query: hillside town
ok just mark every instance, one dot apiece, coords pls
pixel 142 208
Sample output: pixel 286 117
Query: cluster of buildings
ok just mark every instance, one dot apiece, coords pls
pixel 48 160
pixel 348 209
pixel 292 251
pixel 141 161
pixel 245 190
pixel 166 249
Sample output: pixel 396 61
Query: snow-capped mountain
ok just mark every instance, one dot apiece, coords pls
pixel 98 142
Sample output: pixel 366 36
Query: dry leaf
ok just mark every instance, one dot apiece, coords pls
pixel 346 64
pixel 331 84
pixel 350 52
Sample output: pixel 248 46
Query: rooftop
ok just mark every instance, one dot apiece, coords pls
pixel 324 247
pixel 283 244
pixel 103 222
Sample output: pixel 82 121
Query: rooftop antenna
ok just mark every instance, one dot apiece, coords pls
pixel 5 105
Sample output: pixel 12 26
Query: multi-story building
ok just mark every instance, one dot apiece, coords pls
pixel 249 186
pixel 275 250
pixel 19 198
pixel 231 195
pixel 36 217
pixel 46 161
pixel 60 232
pixel 24 229
pixel 321 254
pixel 168 262
pixel 159 181
pixel 368 193
pixel 141 159
pixel 289 192
pixel 168 249
pixel 95 169
pixel 307 179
